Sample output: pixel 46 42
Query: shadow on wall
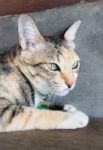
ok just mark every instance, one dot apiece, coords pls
pixel 88 93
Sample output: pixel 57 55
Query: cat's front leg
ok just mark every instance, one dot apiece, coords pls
pixel 73 119
pixel 14 117
pixel 76 119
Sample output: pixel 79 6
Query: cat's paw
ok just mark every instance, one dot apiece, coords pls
pixel 74 120
pixel 69 108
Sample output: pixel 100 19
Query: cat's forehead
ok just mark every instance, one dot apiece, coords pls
pixel 58 49
pixel 53 45
pixel 54 50
pixel 54 42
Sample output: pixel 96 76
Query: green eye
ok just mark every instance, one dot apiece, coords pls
pixel 53 67
pixel 76 65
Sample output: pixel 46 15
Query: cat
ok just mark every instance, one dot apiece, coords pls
pixel 36 69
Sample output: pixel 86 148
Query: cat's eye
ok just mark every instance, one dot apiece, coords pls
pixel 53 67
pixel 76 65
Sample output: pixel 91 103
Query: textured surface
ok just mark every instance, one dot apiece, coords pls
pixel 88 94
pixel 89 138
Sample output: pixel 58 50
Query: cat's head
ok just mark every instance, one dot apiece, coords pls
pixel 51 65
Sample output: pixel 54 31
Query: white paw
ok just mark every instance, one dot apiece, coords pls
pixel 69 108
pixel 74 120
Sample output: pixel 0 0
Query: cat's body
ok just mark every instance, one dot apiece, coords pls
pixel 38 65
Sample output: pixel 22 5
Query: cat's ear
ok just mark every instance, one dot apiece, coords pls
pixel 29 35
pixel 70 34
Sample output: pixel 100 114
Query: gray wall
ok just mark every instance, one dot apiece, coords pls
pixel 88 93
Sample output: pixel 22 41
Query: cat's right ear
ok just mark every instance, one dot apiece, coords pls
pixel 29 35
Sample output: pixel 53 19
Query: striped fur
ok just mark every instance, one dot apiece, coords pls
pixel 24 71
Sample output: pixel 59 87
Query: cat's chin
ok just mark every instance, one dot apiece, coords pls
pixel 62 93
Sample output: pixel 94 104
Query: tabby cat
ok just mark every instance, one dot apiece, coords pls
pixel 33 71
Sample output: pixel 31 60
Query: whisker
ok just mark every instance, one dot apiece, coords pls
pixel 52 96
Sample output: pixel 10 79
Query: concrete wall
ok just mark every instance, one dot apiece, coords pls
pixel 88 93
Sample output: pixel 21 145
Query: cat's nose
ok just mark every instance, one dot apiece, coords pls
pixel 69 84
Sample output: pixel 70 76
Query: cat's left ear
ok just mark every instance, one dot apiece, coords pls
pixel 70 34
pixel 29 35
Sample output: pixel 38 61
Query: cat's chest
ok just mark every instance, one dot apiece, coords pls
pixel 37 99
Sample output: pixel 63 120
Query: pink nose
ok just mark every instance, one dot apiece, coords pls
pixel 70 84
pixel 68 79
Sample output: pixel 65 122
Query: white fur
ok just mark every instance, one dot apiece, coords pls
pixel 69 108
pixel 62 91
pixel 74 120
